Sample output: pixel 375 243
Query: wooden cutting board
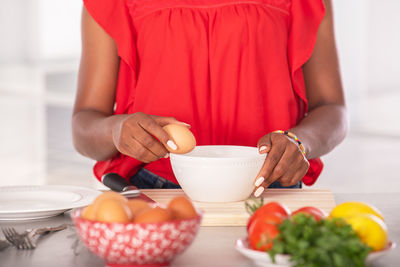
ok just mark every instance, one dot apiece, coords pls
pixel 234 213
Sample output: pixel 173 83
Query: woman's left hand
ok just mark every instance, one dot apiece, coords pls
pixel 284 163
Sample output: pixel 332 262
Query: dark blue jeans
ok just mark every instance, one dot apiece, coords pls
pixel 278 185
pixel 145 179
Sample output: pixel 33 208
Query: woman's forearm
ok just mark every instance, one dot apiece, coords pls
pixel 322 129
pixel 92 134
pixel 137 135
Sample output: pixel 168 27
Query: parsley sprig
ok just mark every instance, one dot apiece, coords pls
pixel 328 243
pixel 253 204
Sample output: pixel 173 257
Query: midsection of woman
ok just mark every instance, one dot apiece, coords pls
pixel 222 68
pixel 225 67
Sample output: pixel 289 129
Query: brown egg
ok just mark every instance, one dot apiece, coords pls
pixel 182 208
pixel 153 215
pixel 113 210
pixel 182 136
pixel 89 213
pixel 137 206
pixel 108 195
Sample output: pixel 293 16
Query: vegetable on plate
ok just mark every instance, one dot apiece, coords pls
pixel 311 238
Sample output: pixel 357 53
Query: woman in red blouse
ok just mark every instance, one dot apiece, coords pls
pixel 236 71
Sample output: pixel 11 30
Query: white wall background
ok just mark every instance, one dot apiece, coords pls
pixel 59 28
pixel 383 46
pixel 39 30
pixel 12 29
pixel 351 36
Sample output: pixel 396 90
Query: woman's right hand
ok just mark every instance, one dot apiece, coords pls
pixel 142 137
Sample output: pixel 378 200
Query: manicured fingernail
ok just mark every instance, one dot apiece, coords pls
pixel 259 191
pixel 172 145
pixel 186 124
pixel 262 148
pixel 259 181
pixel 166 156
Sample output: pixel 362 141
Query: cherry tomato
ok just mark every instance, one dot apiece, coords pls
pixel 261 234
pixel 317 213
pixel 270 207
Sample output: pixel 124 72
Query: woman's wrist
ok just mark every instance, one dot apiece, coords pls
pixel 293 137
pixel 114 125
pixel 303 138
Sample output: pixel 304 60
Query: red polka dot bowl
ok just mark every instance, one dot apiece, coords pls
pixel 137 244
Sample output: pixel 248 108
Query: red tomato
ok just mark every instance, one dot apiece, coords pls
pixel 271 207
pixel 317 213
pixel 261 234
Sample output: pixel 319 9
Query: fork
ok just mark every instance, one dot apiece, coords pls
pixel 25 240
pixel 4 244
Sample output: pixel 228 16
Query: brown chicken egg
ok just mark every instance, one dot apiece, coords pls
pixel 108 195
pixel 89 213
pixel 182 208
pixel 113 210
pixel 153 215
pixel 182 137
pixel 137 206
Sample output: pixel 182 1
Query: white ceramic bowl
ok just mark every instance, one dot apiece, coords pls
pixel 218 173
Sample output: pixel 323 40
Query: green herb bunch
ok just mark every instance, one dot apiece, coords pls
pixel 327 243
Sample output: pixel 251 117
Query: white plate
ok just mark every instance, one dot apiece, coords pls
pixel 37 202
pixel 262 258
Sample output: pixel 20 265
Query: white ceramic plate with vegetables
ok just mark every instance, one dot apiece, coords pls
pixel 354 234
pixel 263 259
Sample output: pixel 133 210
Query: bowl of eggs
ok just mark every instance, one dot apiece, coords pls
pixel 134 232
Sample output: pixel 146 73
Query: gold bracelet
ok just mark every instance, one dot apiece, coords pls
pixel 294 137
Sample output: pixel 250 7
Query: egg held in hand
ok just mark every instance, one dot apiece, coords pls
pixel 182 137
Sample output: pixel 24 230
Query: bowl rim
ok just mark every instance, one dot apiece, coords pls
pixel 187 156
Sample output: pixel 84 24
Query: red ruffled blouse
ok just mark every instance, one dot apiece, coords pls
pixel 229 68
